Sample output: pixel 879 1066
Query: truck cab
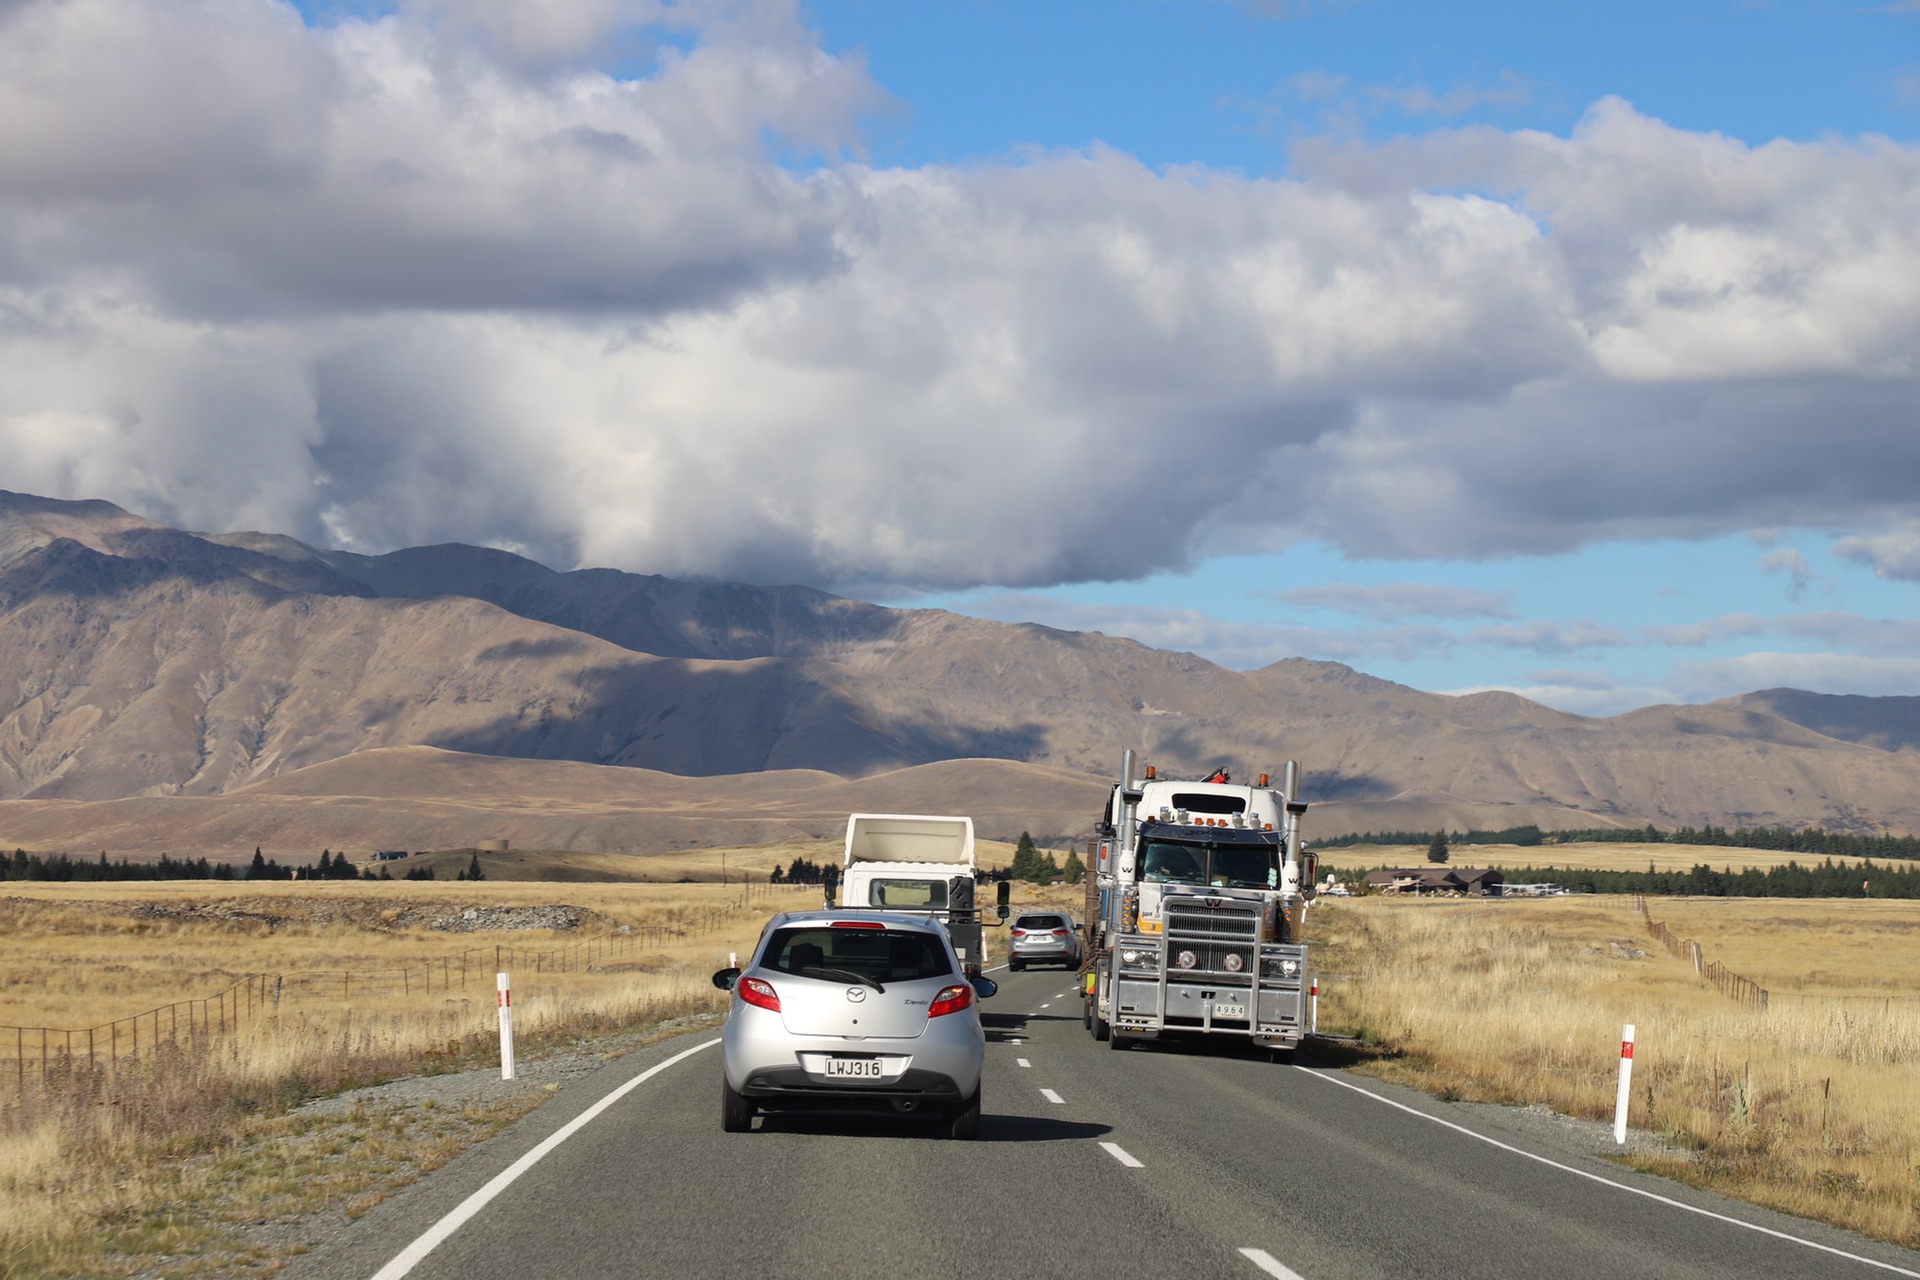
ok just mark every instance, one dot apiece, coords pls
pixel 1198 894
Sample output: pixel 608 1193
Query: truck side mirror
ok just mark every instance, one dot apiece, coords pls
pixel 1002 895
pixel 832 890
pixel 725 979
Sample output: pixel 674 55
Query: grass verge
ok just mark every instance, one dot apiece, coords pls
pixel 1812 1107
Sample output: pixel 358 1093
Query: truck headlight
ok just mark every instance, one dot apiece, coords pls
pixel 1233 962
pixel 1136 957
pixel 1186 960
pixel 1289 968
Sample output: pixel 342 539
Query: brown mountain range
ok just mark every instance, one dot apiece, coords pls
pixel 153 680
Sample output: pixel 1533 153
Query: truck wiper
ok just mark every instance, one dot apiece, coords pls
pixel 844 975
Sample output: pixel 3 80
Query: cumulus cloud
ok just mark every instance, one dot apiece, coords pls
pixel 1891 554
pixel 1392 600
pixel 442 274
pixel 1801 575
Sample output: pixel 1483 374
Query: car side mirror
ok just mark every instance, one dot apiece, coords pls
pixel 725 979
pixel 1003 894
pixel 984 987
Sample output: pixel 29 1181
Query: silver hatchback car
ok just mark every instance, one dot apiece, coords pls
pixel 865 1009
pixel 1043 937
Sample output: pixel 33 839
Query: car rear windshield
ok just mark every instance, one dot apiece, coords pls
pixel 882 955
pixel 1040 922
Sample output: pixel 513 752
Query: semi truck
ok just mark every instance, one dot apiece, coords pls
pixel 918 863
pixel 1196 892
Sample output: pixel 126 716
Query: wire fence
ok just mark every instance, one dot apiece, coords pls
pixel 1725 981
pixel 40 1054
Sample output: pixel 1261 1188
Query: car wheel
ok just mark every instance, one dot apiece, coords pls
pixel 736 1110
pixel 1016 965
pixel 964 1124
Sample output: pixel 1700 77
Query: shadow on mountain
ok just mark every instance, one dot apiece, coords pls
pixel 701 719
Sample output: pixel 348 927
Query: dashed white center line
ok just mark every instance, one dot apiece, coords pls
pixel 1023 1062
pixel 1265 1261
pixel 1016 1041
pixel 1051 1096
pixel 1115 1150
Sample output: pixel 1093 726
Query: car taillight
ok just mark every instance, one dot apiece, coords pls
pixel 759 993
pixel 951 1000
pixel 856 924
pixel 1018 933
pixel 1059 933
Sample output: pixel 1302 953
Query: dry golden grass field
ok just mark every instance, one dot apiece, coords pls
pixel 1594 856
pixel 1811 1107
pixel 105 1169
pixel 1577 856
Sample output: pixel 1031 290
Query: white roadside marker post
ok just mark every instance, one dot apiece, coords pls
pixel 1313 1016
pixel 506 1026
pixel 1626 1086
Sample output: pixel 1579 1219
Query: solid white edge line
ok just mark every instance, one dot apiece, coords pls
pixel 1115 1150
pixel 1269 1264
pixel 1594 1177
pixel 410 1257
pixel 1051 1096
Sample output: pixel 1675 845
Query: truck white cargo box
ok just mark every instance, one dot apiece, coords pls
pixel 908 838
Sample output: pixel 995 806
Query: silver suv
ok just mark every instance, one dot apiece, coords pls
pixel 1042 937
pixel 865 1009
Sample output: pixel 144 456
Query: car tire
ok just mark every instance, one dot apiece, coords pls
pixel 736 1109
pixel 1015 966
pixel 963 1125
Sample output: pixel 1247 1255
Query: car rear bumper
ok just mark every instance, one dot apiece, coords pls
pixel 791 1086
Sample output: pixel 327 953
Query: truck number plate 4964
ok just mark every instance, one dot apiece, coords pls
pixel 1238 1011
pixel 853 1067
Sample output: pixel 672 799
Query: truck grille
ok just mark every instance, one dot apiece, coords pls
pixel 1222 940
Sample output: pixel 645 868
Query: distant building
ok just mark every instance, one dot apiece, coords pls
pixel 389 855
pixel 1468 882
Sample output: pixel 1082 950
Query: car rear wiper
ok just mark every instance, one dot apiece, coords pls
pixel 845 975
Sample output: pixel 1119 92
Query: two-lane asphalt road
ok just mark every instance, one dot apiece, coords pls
pixel 1091 1162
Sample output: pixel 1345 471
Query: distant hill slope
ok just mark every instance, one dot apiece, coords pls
pixel 141 661
pixel 1889 723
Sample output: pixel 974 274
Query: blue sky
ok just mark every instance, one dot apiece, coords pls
pixel 1613 624
pixel 1572 349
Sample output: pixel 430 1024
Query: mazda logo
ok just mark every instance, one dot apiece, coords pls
pixel 856 994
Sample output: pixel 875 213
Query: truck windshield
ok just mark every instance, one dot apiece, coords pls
pixel 908 895
pixel 1231 866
